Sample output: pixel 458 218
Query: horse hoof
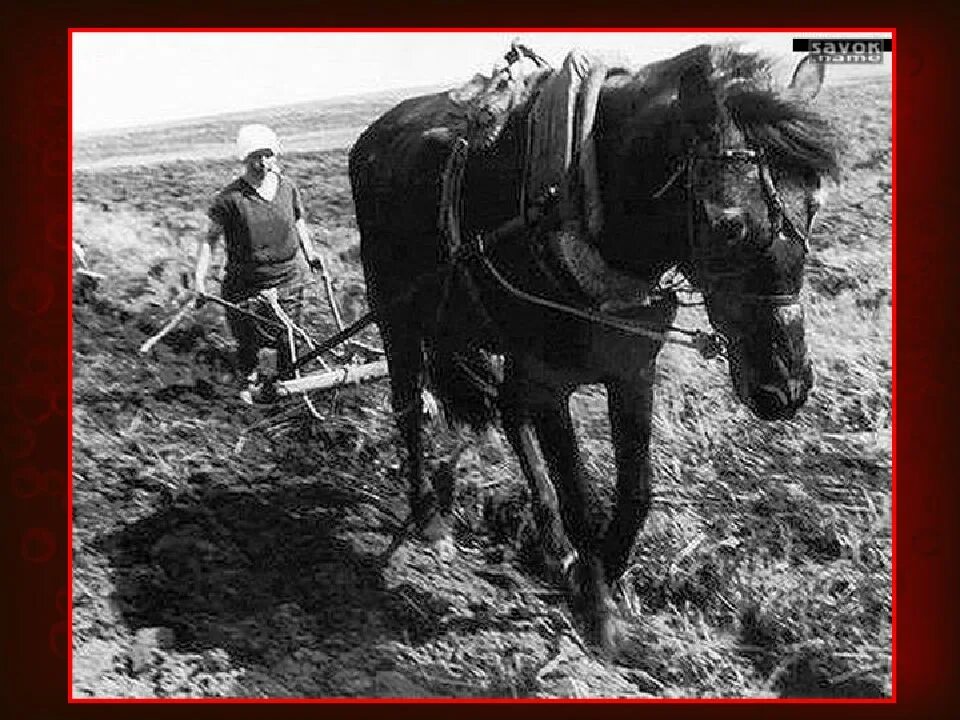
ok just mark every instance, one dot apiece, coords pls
pixel 445 548
pixel 439 535
pixel 611 632
pixel 435 528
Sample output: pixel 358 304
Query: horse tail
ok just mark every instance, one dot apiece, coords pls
pixel 466 381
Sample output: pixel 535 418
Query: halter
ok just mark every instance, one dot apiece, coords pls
pixel 780 222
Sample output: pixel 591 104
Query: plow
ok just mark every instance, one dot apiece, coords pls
pixel 311 350
pixel 304 348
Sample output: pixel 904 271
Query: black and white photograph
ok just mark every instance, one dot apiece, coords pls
pixel 477 365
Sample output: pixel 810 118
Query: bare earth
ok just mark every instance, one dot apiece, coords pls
pixel 222 550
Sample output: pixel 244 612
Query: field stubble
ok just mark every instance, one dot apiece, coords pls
pixel 221 550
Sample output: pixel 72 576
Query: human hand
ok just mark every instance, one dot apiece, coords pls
pixel 316 263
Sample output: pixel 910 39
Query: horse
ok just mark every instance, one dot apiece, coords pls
pixel 692 159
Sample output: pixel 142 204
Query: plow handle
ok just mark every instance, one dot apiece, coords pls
pixel 165 330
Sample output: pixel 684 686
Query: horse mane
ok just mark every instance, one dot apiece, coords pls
pixel 800 143
pixel 798 140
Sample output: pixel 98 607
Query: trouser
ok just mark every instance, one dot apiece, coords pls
pixel 252 335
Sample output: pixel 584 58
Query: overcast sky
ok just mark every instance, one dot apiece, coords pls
pixel 123 79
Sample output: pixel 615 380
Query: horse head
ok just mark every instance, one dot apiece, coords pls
pixel 754 158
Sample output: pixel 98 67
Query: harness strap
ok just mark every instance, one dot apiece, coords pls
pixel 709 345
pixel 345 334
pixel 779 220
pixel 593 317
pixel 480 383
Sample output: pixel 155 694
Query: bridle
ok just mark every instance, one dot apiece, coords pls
pixel 781 224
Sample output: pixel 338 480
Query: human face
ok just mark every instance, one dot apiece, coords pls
pixel 260 162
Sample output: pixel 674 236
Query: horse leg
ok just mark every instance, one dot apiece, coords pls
pixel 631 406
pixel 518 425
pixel 578 507
pixel 402 345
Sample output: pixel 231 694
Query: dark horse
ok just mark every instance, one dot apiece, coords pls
pixel 693 156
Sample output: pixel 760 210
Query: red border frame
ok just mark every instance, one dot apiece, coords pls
pixel 447 701
pixel 925 349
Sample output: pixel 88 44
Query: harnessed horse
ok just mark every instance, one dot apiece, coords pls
pixel 693 156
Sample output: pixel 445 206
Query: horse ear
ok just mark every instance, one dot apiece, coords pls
pixel 807 78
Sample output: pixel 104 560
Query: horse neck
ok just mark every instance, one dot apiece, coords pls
pixel 642 234
pixel 646 245
pixel 639 149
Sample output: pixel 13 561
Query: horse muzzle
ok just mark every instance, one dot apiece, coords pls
pixel 781 400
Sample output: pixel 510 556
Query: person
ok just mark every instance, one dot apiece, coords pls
pixel 260 218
